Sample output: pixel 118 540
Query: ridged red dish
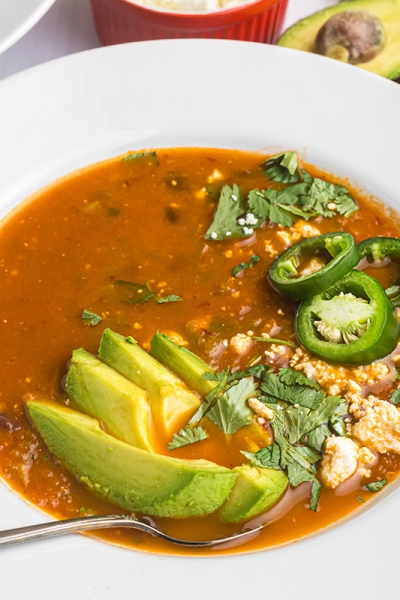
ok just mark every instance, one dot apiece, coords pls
pixel 119 21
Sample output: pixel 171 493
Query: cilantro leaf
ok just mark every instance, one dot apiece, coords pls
pixel 266 458
pixel 169 298
pixel 302 395
pixel 229 209
pixel 290 376
pixel 376 486
pixel 283 168
pixel 90 319
pixel 187 436
pixel 322 193
pixel 140 293
pixel 245 265
pixel 211 397
pixel 316 438
pixel 231 411
pixel 151 156
pixel 395 397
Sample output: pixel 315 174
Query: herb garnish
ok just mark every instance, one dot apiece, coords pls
pixel 245 265
pixel 140 293
pixel 274 341
pixel 229 209
pixel 231 412
pixel 151 156
pixel 187 436
pixel 89 318
pixel 376 486
pixel 143 293
pixel 305 197
pixel 169 298
pixel 283 168
pixel 395 397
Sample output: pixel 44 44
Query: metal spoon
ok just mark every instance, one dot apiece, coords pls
pixel 46 530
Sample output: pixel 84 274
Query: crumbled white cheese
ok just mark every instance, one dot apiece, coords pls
pixel 340 460
pixel 215 175
pixel 300 230
pixel 378 426
pixel 269 249
pixel 241 343
pixel 313 266
pixel 261 409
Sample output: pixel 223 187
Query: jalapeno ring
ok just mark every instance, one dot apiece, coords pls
pixel 284 275
pixel 379 248
pixel 352 322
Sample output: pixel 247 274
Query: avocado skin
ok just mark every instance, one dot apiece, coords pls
pixel 102 393
pixel 186 365
pixel 255 491
pixel 302 35
pixel 171 401
pixel 130 477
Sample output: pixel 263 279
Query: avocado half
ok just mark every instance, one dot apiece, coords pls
pixel 302 35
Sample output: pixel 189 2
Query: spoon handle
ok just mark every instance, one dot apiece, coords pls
pixel 55 528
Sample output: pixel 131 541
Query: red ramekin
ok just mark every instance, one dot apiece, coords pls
pixel 120 21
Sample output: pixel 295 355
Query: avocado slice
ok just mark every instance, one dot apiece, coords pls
pixel 172 402
pixel 255 491
pixel 130 477
pixel 182 362
pixel 302 35
pixel 99 391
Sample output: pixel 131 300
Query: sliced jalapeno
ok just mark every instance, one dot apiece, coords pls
pixel 379 249
pixel 330 257
pixel 352 322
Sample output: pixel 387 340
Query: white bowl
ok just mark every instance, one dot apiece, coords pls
pixel 91 106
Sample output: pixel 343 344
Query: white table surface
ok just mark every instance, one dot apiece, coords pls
pixel 68 28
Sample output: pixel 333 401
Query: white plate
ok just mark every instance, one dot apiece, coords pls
pixel 97 104
pixel 17 17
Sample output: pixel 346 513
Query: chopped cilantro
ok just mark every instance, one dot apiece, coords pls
pixel 293 393
pixel 140 293
pixel 90 319
pixel 274 341
pixel 376 486
pixel 245 265
pixel 283 168
pixel 113 211
pixel 229 209
pixel 231 411
pixel 187 436
pixel 395 397
pixel 151 156
pixel 360 499
pixel 169 298
pixel 266 458
pixel 304 196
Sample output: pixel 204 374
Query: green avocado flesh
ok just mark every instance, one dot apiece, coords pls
pixel 99 391
pixel 302 35
pixel 130 477
pixel 182 362
pixel 255 491
pixel 172 402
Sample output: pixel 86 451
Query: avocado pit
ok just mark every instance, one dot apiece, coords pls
pixel 352 36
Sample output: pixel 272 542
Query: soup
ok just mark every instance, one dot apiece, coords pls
pixel 135 246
